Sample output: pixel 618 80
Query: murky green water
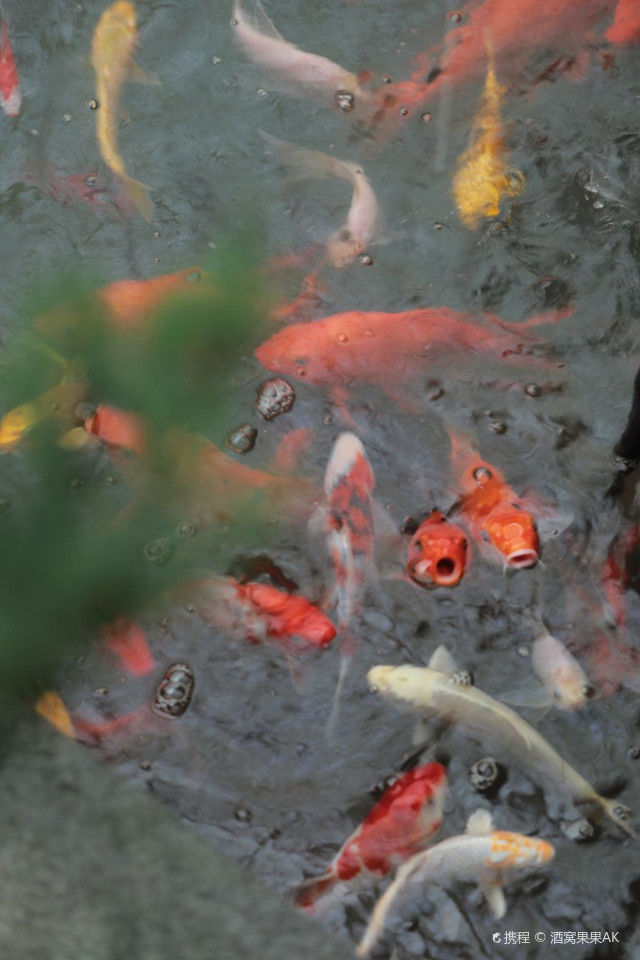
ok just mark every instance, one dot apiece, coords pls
pixel 248 765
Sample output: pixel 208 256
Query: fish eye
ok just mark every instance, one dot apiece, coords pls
pixel 485 536
pixel 481 474
pixel 588 690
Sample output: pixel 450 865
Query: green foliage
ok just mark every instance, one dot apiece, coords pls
pixel 76 524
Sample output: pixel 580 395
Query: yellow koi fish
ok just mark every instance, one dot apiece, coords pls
pixel 484 176
pixel 51 707
pixel 59 401
pixel 112 48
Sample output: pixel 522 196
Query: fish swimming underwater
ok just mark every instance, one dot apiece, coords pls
pixel 438 553
pixel 351 239
pixel 300 71
pixel 625 28
pixel 394 350
pixel 348 487
pixel 481 855
pixel 117 428
pixel 130 304
pixel 112 48
pixel 403 821
pixel 484 177
pixel 428 691
pixel 10 96
pixel 562 676
pixel 495 513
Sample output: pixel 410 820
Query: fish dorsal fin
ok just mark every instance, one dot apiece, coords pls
pixel 258 19
pixel 480 821
pixel 442 661
pixel 494 895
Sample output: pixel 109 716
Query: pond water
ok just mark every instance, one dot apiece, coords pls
pixel 248 765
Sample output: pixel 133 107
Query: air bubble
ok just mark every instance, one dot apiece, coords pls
pixel 345 100
pixel 274 397
pixel 242 439
pixel 158 552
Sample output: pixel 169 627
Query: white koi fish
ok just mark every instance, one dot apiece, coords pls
pixel 481 855
pixel 562 676
pixel 303 71
pixel 446 695
pixel 360 227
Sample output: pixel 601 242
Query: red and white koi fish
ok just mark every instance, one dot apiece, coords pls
pixel 261 613
pixel 10 96
pixel 480 855
pixel 352 238
pixel 348 487
pixel 494 511
pixel 127 641
pixel 403 821
pixel 300 71
pixel 438 553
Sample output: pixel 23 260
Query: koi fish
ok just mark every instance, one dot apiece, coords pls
pixel 131 303
pixel 481 855
pixel 613 663
pixel 59 401
pixel 429 691
pixel 403 821
pixel 484 177
pixel 438 553
pixel 50 706
pixel 112 47
pixel 351 239
pixel 260 613
pixel 116 428
pixel 494 512
pixel 565 685
pixel 385 349
pixel 301 71
pixel 348 487
pixel 127 641
pixel 10 96
pixel 615 578
pixel 625 28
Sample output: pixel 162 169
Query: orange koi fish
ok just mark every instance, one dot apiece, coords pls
pixel 625 28
pixel 387 349
pixel 484 177
pixel 494 512
pixel 50 706
pixel 127 641
pixel 348 487
pixel 10 96
pixel 403 821
pixel 112 48
pixel 116 428
pixel 260 613
pixel 438 553
pixel 131 303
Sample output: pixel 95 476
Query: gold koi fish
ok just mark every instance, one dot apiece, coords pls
pixel 112 47
pixel 484 176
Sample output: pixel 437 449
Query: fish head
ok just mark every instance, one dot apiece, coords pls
pixel 438 553
pixel 343 248
pixel 513 533
pixel 125 12
pixel 299 350
pixel 406 687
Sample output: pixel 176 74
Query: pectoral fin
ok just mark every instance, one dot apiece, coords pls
pixel 442 661
pixel 479 822
pixel 494 895
pixel 420 732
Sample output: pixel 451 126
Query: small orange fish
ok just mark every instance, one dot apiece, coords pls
pixel 131 303
pixel 484 176
pixel 494 511
pixel 50 706
pixel 438 553
pixel 10 96
pixel 127 641
pixel 116 428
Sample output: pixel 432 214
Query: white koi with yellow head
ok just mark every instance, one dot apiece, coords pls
pixel 481 855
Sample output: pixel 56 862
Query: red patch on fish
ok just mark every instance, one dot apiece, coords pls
pixel 494 511
pixel 128 642
pixel 130 303
pixel 9 81
pixel 438 553
pixel 405 818
pixel 116 428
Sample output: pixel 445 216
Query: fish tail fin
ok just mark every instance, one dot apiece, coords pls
pixel 539 319
pixel 619 813
pixel 138 194
pixel 312 890
pixel 257 19
pixel 347 650
pixel 307 164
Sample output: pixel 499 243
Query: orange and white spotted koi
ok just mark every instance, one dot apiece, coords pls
pixel 481 855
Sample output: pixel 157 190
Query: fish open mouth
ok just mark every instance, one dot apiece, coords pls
pixel 522 558
pixel 446 572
